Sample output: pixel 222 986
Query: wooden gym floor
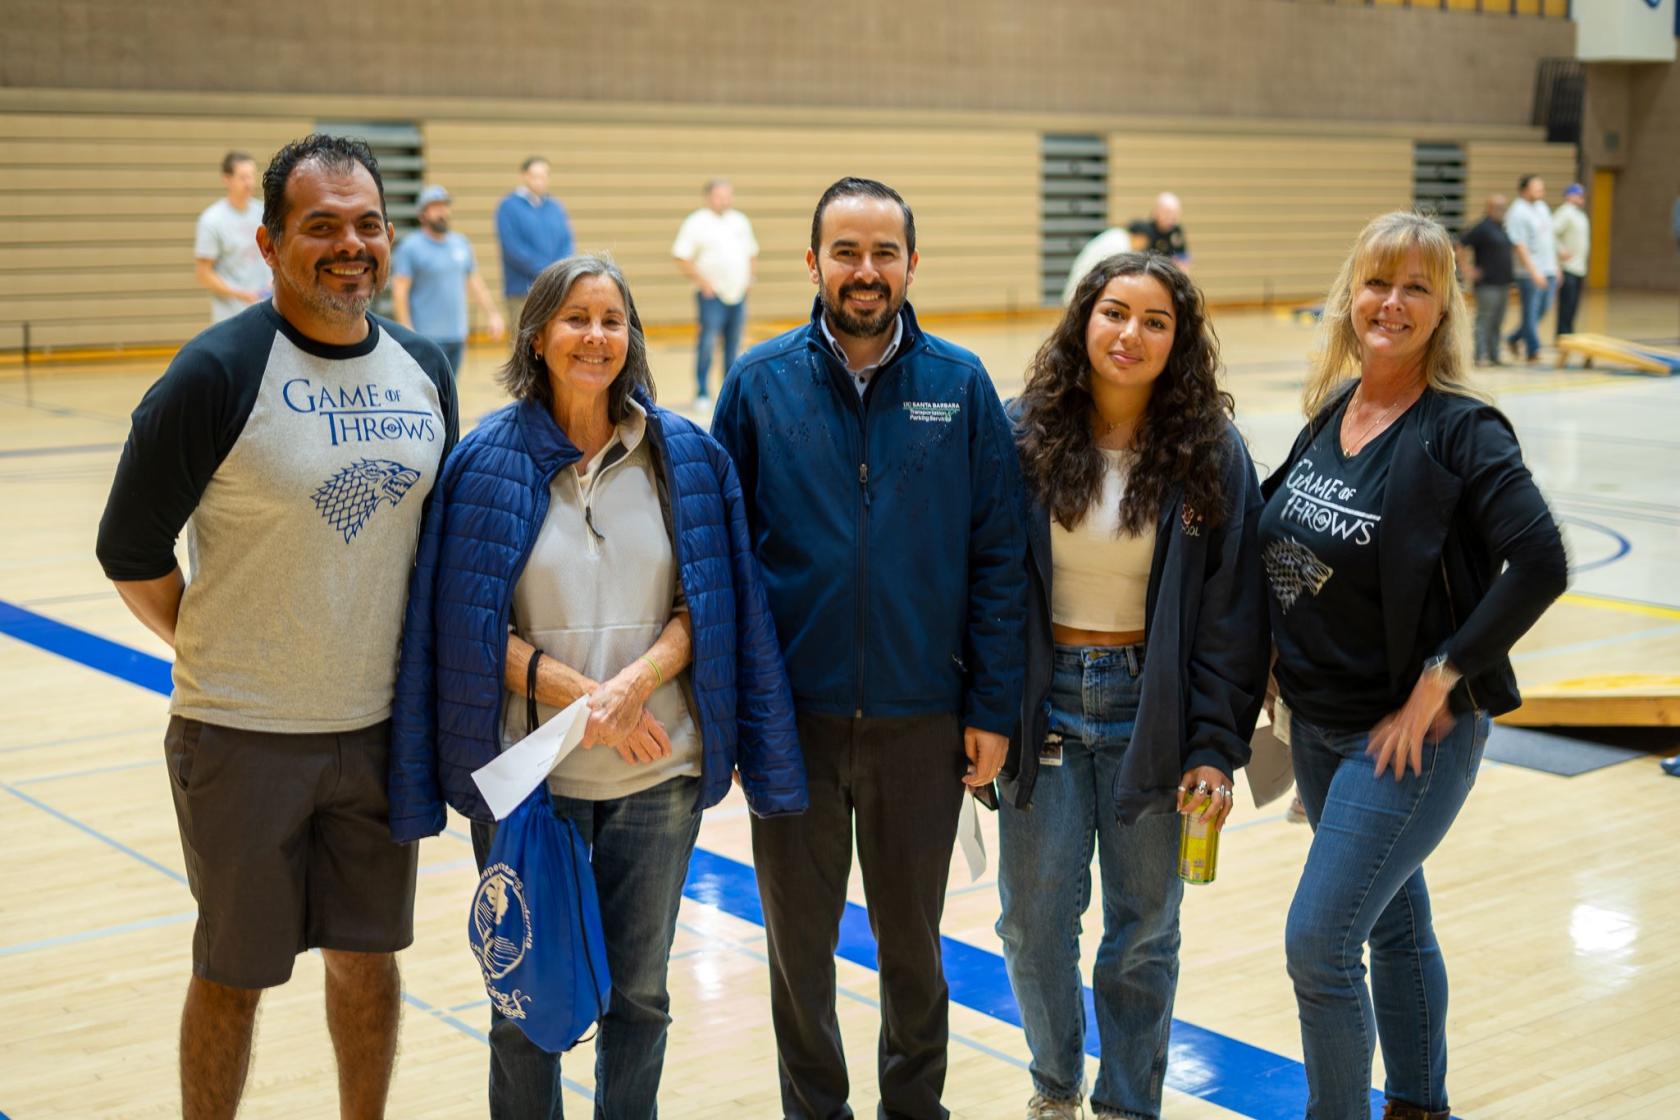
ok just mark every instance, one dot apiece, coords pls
pixel 1557 900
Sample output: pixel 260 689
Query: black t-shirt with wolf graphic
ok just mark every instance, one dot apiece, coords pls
pixel 1318 539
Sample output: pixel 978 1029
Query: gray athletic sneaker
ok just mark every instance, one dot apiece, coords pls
pixel 1042 1107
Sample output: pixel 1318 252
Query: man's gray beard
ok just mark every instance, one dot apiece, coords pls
pixel 346 309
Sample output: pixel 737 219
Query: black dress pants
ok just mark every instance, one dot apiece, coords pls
pixel 900 781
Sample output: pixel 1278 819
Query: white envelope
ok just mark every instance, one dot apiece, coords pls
pixel 1270 772
pixel 969 840
pixel 509 779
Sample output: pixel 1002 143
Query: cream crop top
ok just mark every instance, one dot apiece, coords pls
pixel 1100 577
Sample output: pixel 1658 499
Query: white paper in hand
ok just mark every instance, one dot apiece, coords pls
pixel 512 775
pixel 973 845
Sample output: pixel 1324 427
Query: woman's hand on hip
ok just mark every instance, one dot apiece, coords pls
pixel 1206 792
pixel 1397 740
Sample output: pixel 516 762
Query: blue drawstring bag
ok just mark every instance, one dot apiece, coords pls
pixel 535 923
pixel 535 927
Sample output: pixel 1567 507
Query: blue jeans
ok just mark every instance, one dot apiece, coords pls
pixel 1533 299
pixel 639 849
pixel 1363 881
pixel 1044 877
pixel 717 317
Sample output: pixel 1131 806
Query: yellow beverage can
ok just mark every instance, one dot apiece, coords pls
pixel 1198 849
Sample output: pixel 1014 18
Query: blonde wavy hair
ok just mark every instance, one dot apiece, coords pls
pixel 1378 251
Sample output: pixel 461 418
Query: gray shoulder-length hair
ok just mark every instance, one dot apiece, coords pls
pixel 525 376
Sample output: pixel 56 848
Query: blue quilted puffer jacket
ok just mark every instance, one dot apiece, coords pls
pixel 485 511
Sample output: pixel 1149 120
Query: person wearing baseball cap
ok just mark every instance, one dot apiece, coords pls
pixel 432 270
pixel 1573 233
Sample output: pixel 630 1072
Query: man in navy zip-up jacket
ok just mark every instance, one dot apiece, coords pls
pixel 882 494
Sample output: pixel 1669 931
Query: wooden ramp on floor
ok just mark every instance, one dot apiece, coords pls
pixel 1659 361
pixel 1629 700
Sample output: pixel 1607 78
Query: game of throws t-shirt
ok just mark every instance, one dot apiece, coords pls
pixel 299 470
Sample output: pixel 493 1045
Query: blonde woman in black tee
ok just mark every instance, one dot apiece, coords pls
pixel 1406 550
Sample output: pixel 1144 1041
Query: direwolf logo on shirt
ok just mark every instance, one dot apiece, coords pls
pixel 348 498
pixel 1292 568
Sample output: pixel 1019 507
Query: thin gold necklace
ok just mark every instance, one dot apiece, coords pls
pixel 1358 442
pixel 1108 430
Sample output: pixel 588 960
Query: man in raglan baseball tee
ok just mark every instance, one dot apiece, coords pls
pixel 296 443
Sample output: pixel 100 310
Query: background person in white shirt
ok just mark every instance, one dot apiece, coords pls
pixel 1573 233
pixel 1529 226
pixel 715 249
pixel 1115 239
pixel 228 263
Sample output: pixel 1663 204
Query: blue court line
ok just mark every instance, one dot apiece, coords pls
pixel 93 737
pixel 93 832
pixel 840 990
pixel 115 768
pixel 108 931
pixel 1623 545
pixel 95 934
pixel 63 411
pixel 1235 1076
pixel 1231 1074
pixel 445 1016
pixel 77 645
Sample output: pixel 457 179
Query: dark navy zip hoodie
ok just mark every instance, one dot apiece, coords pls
pixel 888 527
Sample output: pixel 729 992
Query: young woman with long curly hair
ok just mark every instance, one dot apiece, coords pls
pixel 1146 665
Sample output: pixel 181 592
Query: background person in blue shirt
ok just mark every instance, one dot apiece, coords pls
pixel 431 271
pixel 534 232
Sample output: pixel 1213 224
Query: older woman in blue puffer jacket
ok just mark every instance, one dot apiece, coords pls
pixel 584 541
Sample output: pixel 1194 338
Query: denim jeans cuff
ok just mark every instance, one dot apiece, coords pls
pixel 1059 1092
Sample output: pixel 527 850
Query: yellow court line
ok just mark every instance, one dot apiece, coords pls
pixel 1604 603
pixel 1616 682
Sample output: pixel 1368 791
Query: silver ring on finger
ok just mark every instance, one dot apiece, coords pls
pixel 1201 787
pixel 1224 791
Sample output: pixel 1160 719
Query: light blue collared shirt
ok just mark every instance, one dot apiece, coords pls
pixel 860 377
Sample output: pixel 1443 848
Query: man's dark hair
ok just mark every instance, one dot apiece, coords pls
pixel 529 160
pixel 335 153
pixel 233 159
pixel 851 187
pixel 1524 180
